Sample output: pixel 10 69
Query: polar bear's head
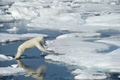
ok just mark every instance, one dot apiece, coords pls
pixel 40 39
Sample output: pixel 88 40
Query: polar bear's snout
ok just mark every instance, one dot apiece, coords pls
pixel 43 40
pixel 35 42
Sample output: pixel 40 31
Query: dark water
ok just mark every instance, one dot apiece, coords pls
pixel 31 58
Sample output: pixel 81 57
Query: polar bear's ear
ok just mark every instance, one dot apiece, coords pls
pixel 43 40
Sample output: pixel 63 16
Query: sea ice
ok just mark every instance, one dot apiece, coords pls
pixel 6 18
pixel 1 25
pixel 69 22
pixel 85 49
pixel 105 20
pixel 89 74
pixel 12 30
pixel 23 10
pixel 98 1
pixel 14 65
pixel 79 51
pixel 110 40
pixel 3 57
pixel 11 71
pixel 17 37
pixel 80 35
pixel 86 18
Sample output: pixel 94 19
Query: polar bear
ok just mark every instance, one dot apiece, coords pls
pixel 30 44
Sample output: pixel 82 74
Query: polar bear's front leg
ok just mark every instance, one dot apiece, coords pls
pixel 45 47
pixel 19 52
pixel 40 47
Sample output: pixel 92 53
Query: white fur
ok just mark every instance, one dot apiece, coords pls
pixel 30 44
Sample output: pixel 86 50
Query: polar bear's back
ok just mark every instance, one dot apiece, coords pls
pixel 29 44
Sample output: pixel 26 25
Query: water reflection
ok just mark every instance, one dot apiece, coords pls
pixel 39 73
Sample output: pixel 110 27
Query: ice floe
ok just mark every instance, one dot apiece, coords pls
pixel 58 23
pixel 1 25
pixel 105 20
pixel 98 1
pixel 12 30
pixel 11 71
pixel 111 40
pixel 86 18
pixel 85 49
pixel 5 37
pixel 89 74
pixel 6 18
pixel 30 9
pixel 3 57
pixel 23 10
pixel 80 35
pixel 75 50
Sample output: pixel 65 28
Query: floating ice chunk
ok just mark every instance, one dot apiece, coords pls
pixel 16 37
pixel 90 1
pixel 116 51
pixel 114 40
pixel 12 30
pixel 10 71
pixel 2 12
pixel 5 2
pixel 91 10
pixel 77 71
pixel 119 76
pixel 113 3
pixel 104 20
pixel 89 74
pixel 3 57
pixel 1 25
pixel 12 0
pixel 80 35
pixel 6 18
pixel 115 70
pixel 23 10
pixel 4 7
pixel 14 65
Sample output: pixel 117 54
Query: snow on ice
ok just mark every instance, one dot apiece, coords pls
pixel 5 37
pixel 11 71
pixel 81 19
pixel 3 57
pixel 89 74
pixel 85 54
pixel 105 20
pixel 62 22
pixel 12 30
pixel 6 18
pixel 93 19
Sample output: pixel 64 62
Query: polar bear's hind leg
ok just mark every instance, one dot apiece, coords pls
pixel 19 52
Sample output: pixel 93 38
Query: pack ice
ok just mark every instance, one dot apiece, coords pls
pixel 7 38
pixel 93 48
